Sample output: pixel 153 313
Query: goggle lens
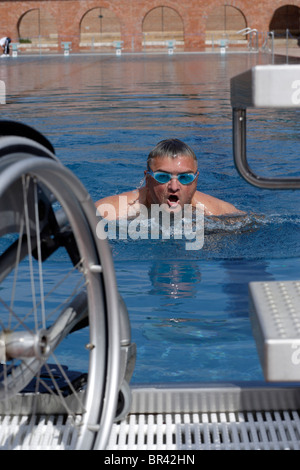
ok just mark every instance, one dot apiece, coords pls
pixel 162 178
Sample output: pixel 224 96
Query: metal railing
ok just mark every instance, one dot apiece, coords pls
pixel 253 34
pixel 271 86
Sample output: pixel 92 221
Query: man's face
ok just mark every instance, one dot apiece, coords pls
pixel 173 193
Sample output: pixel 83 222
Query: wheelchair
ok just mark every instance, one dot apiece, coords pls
pixel 57 283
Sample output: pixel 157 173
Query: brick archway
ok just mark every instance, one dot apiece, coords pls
pixel 286 17
pixel 37 29
pixel 100 28
pixel 160 25
pixel 226 21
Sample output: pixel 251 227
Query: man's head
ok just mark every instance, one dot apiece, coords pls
pixel 171 176
pixel 170 148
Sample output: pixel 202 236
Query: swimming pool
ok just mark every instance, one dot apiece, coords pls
pixel 188 309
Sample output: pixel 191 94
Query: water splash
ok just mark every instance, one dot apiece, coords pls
pixel 253 236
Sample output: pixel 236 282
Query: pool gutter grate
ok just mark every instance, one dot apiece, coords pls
pixel 259 430
pixel 54 432
pixel 208 431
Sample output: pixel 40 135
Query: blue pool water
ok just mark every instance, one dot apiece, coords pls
pixel 103 114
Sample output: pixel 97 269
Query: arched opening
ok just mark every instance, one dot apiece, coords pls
pixel 37 28
pixel 161 25
pixel 224 23
pixel 286 18
pixel 100 28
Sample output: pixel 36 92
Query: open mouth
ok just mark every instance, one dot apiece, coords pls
pixel 173 200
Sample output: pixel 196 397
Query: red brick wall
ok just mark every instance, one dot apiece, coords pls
pixel 67 15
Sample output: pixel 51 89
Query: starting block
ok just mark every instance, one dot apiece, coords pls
pixel 14 46
pixel 223 45
pixel 67 47
pixel 275 318
pixel 171 46
pixel 118 45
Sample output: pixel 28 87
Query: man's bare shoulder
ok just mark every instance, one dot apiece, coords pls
pixel 213 205
pixel 116 206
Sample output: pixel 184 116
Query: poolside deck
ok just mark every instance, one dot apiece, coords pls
pixel 190 418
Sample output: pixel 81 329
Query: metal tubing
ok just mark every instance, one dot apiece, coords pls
pixel 240 158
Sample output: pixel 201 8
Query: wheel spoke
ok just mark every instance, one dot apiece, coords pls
pixel 17 261
pixel 38 235
pixel 25 184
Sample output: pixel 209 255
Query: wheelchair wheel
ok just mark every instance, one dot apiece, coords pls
pixel 58 293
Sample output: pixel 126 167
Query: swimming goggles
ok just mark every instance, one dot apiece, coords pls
pixel 163 177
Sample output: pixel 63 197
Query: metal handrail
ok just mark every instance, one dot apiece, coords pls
pixel 249 90
pixel 265 47
pixel 243 30
pixel 247 31
pixel 241 162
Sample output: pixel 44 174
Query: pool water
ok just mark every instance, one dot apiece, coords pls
pixel 103 114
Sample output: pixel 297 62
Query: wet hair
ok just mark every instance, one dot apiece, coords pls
pixel 170 148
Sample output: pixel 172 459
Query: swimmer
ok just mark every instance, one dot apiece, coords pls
pixel 170 179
